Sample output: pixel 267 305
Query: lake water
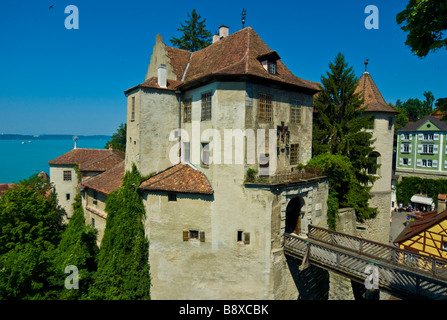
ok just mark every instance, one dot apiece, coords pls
pixel 19 161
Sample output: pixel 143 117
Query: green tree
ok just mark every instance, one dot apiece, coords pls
pixel 416 109
pixel 338 131
pixel 345 190
pixel 119 139
pixel 340 120
pixel 31 227
pixel 123 266
pixel 425 21
pixel 77 248
pixel 410 186
pixel 195 35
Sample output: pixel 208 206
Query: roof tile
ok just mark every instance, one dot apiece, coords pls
pixel 179 178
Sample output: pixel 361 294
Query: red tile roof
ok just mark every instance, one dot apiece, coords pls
pixel 5 187
pixel 108 181
pixel 182 178
pixel 426 220
pixel 90 159
pixel 373 98
pixel 235 55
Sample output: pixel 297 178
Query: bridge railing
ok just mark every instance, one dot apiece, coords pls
pixel 376 250
pixel 396 279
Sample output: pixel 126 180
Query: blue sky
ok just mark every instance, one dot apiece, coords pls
pixel 59 81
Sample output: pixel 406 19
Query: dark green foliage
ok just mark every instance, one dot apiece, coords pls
pixel 338 130
pixel 345 191
pixel 77 248
pixel 415 109
pixel 195 35
pixel 123 268
pixel 410 186
pixel 426 25
pixel 31 227
pixel 118 141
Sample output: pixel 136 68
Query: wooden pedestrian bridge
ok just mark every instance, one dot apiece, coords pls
pixel 402 273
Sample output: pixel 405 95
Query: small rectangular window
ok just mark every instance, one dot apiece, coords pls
pixel 186 152
pixel 132 115
pixel 93 222
pixel 67 175
pixel 187 111
pixel 240 235
pixel 205 153
pixel 243 237
pixel 67 196
pixel 206 106
pixel 172 196
pixel 193 234
pixel 272 67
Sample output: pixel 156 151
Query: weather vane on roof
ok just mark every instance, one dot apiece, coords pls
pixel 366 65
pixel 244 13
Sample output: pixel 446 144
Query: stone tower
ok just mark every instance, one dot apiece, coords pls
pixel 382 129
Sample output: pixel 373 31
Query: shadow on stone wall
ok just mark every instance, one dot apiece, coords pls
pixel 312 283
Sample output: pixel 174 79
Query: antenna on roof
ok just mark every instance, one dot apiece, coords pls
pixel 366 65
pixel 244 13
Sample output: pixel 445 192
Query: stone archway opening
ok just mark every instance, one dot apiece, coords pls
pixel 293 215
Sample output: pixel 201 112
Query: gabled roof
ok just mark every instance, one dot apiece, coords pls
pixel 442 125
pixel 108 181
pixel 234 56
pixel 181 177
pixel 374 100
pixel 426 221
pixel 90 159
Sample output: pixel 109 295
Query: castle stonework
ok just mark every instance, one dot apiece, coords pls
pixel 213 232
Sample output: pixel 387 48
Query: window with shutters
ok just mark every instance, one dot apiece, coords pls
pixel 265 112
pixel 193 235
pixel 187 105
pixel 206 106
pixel 405 148
pixel 243 237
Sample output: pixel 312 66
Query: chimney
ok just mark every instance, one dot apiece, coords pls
pixel 441 202
pixel 162 76
pixel 216 38
pixel 224 31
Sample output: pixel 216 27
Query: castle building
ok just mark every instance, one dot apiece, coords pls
pixel 382 129
pixel 223 129
pixel 76 166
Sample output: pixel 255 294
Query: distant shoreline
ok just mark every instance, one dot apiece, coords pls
pixel 51 137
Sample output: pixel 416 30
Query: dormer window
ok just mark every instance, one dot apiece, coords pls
pixel 268 61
